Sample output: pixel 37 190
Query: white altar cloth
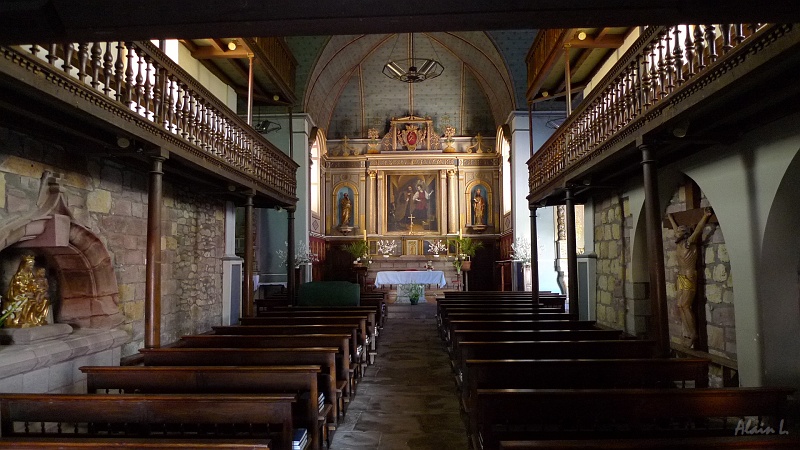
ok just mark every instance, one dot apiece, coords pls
pixel 412 276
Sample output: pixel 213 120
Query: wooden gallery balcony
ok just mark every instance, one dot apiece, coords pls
pixel 679 89
pixel 125 99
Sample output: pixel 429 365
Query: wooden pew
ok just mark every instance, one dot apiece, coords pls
pixel 774 441
pixel 302 380
pixel 619 413
pixel 325 357
pixel 494 337
pixel 341 341
pixel 161 416
pixel 101 443
pixel 594 349
pixel 580 374
pixel 361 321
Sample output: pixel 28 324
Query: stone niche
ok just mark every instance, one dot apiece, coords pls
pixel 83 291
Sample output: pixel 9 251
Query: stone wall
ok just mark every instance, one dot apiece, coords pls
pixel 110 198
pixel 714 287
pixel 612 220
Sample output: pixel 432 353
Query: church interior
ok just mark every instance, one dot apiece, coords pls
pixel 399 226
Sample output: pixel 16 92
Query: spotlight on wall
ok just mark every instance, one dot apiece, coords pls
pixel 581 36
pixel 232 45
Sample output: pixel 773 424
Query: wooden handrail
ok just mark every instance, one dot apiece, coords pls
pixel 662 62
pixel 138 77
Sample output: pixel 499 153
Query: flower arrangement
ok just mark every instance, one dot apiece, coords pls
pixel 437 247
pixel 429 265
pixel 302 255
pixel 521 251
pixel 387 247
pixel 13 308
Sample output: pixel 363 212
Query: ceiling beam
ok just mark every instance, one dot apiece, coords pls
pixel 608 41
pixel 27 21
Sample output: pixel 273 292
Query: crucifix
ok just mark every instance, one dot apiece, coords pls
pixel 411 223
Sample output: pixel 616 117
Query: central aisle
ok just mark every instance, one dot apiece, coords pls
pixel 407 400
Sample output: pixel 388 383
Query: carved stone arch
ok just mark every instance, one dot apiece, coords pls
pixel 89 295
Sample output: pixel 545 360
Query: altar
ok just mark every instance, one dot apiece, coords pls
pixel 389 277
pixel 405 278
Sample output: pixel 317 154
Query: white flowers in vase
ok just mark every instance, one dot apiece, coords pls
pixel 521 251
pixel 437 247
pixel 302 255
pixel 387 247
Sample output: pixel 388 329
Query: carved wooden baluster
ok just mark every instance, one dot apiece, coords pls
pixel 654 84
pixel 186 119
pixel 195 115
pixel 169 103
pixel 34 50
pixel 711 43
pixel 129 82
pixel 119 75
pixel 662 69
pixel 190 119
pixel 677 56
pixel 108 69
pixel 147 89
pixel 668 64
pixel 69 49
pixel 139 86
pixel 727 44
pixel 699 48
pixel 645 81
pixel 158 95
pixel 83 58
pixel 739 33
pixel 689 45
pixel 51 54
pixel 203 124
pixel 97 52
pixel 179 128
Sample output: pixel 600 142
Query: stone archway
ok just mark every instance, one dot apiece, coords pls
pixel 89 294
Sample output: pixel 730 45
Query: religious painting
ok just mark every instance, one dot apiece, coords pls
pixel 412 205
pixel 344 208
pixel 479 203
pixel 412 247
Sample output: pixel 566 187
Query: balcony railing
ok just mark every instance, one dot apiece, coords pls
pixel 662 63
pixel 545 49
pixel 279 57
pixel 138 78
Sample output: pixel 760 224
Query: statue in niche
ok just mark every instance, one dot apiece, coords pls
pixel 345 210
pixel 479 208
pixel 31 287
pixel 687 249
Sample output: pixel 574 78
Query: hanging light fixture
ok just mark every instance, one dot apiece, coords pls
pixel 411 69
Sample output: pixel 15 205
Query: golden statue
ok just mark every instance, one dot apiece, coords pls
pixel 32 288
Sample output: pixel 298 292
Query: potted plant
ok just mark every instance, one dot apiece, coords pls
pixel 465 250
pixel 414 292
pixel 359 250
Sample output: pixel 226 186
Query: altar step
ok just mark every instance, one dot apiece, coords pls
pixel 407 311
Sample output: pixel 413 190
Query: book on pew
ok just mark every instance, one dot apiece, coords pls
pixel 299 439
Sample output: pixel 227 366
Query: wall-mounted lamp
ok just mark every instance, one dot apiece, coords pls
pixel 267 126
pixel 681 128
pixel 232 45
pixel 123 142
pixel 581 35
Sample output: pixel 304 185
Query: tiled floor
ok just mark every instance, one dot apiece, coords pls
pixel 407 400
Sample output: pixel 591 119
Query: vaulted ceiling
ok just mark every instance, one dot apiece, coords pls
pixel 346 92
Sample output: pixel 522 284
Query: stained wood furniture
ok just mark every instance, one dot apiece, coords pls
pixel 299 380
pixel 162 416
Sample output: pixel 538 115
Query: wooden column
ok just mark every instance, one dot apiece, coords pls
pixel 290 279
pixel 572 253
pixel 152 294
pixel 534 257
pixel 247 281
pixel 655 253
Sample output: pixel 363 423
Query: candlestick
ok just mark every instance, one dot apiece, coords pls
pixel 365 235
